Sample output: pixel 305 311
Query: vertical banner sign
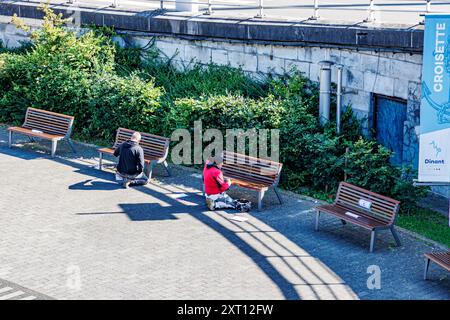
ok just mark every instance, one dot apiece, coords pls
pixel 434 152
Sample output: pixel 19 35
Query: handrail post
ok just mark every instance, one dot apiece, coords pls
pixel 114 4
pixel 210 10
pixel 261 10
pixel 428 6
pixel 371 17
pixel 161 4
pixel 316 15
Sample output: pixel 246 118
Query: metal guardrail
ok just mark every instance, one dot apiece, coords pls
pixel 373 6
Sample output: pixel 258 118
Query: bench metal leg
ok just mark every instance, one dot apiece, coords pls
pixel 54 144
pixel 316 227
pixel 427 266
pixel 278 195
pixel 10 139
pixel 100 161
pixel 166 166
pixel 149 170
pixel 71 146
pixel 397 239
pixel 260 197
pixel 373 237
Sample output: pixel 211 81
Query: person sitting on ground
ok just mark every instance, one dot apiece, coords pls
pixel 131 162
pixel 215 186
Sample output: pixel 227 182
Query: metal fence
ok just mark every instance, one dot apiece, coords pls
pixel 260 6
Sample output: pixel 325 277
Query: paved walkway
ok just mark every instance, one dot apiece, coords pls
pixel 69 232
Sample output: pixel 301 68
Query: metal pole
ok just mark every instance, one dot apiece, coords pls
pixel 209 11
pixel 316 10
pixel 339 99
pixel 161 4
pixel 325 91
pixel 261 9
pixel 428 6
pixel 371 16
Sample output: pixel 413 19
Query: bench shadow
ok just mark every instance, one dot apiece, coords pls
pixel 142 212
pixel 268 249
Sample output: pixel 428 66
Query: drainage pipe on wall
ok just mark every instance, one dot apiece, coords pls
pixel 325 91
pixel 339 68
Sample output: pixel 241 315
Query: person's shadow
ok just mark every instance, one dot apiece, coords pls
pixel 91 184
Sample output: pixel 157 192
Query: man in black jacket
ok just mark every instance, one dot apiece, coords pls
pixel 131 162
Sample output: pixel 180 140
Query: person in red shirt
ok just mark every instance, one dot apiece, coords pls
pixel 215 185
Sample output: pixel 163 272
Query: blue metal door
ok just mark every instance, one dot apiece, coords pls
pixel 390 117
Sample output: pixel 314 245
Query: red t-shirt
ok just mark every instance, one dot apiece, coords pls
pixel 213 180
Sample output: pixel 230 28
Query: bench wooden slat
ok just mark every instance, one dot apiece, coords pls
pixel 362 212
pixel 48 122
pixel 260 176
pixel 54 126
pixel 382 206
pixel 154 147
pixel 33 121
pixel 375 210
pixel 363 220
pixel 250 185
pixel 45 128
pixel 350 186
pixel 380 215
pixel 252 173
pixel 28 132
pixel 357 193
pixel 46 116
pixel 441 258
pixel 50 113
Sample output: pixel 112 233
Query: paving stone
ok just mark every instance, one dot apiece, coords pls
pixel 70 232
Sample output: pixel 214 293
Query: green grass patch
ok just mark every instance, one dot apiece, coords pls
pixel 427 223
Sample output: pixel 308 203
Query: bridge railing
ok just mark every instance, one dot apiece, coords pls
pixel 260 6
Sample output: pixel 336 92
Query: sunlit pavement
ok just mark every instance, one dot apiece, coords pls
pixel 68 231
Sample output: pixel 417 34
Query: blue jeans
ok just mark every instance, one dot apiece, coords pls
pixel 139 179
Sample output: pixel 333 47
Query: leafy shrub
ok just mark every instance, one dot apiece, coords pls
pixel 123 102
pixel 106 87
pixel 226 112
pixel 74 74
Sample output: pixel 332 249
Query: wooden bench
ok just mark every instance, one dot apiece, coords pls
pixel 45 125
pixel 442 259
pixel 364 208
pixel 252 173
pixel 156 149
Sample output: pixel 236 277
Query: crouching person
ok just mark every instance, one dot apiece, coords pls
pixel 131 162
pixel 215 186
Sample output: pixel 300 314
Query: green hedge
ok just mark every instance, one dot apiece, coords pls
pixel 104 87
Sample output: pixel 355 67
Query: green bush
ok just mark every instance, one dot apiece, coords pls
pixel 123 102
pixel 105 87
pixel 72 74
pixel 226 112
